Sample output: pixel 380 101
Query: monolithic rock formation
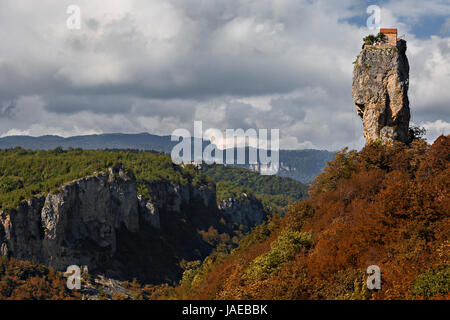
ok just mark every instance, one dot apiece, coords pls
pixel 380 91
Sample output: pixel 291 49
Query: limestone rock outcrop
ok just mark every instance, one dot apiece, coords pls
pixel 244 210
pixel 380 92
pixel 102 222
pixel 77 224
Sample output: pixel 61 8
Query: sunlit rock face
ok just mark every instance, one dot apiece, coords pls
pixel 380 91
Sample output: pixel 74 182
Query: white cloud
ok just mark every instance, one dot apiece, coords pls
pixel 429 77
pixel 436 128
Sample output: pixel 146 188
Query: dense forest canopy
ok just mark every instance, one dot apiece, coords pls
pixel 24 173
pixel 273 191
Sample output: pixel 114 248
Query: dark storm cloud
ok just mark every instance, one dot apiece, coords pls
pixel 109 104
pixel 7 109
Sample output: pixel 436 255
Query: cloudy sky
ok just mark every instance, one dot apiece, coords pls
pixel 157 65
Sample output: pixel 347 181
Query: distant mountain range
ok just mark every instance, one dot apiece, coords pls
pixel 301 165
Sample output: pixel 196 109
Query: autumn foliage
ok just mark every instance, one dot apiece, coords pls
pixel 385 205
pixel 24 280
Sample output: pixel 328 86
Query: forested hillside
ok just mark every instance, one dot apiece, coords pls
pixel 28 280
pixel 24 173
pixel 274 191
pixel 386 205
pixel 301 165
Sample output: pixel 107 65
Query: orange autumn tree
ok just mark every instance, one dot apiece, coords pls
pixel 25 280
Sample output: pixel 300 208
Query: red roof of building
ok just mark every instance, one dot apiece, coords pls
pixel 388 30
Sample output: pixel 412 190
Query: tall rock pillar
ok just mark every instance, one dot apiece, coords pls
pixel 380 91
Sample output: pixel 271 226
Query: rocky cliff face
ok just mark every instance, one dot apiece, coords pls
pixel 244 210
pixel 380 91
pixel 75 225
pixel 101 222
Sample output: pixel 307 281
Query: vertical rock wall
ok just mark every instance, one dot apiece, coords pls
pixel 380 91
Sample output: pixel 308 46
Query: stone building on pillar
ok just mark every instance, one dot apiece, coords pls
pixel 391 35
